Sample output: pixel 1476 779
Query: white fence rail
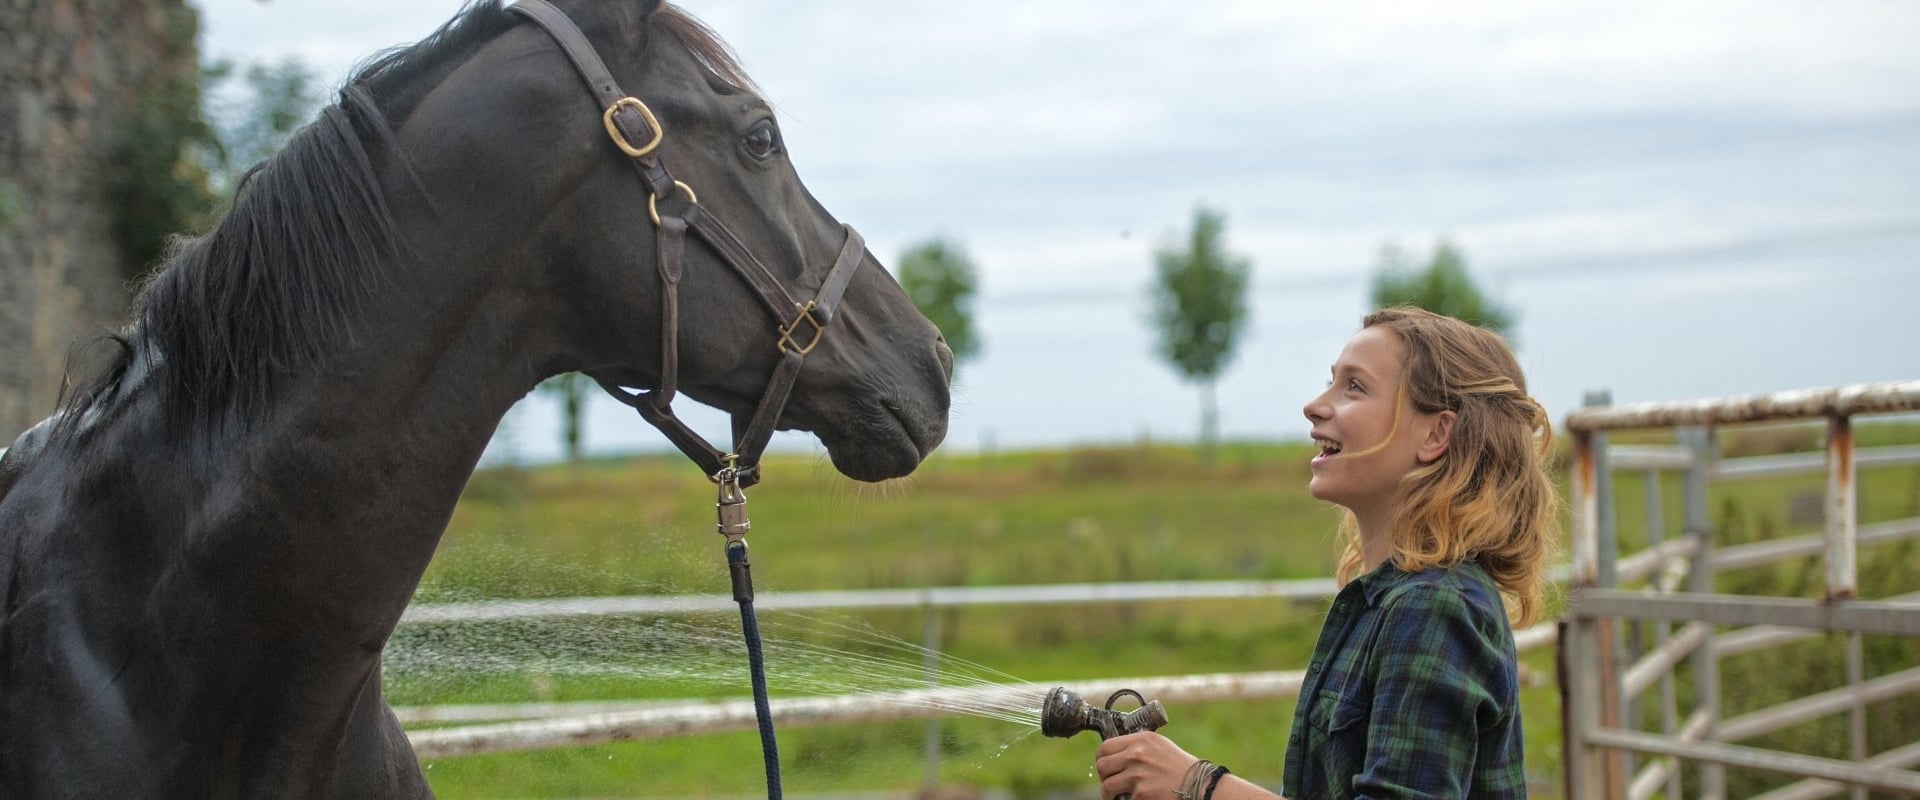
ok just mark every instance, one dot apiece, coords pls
pixel 1602 682
pixel 533 726
pixel 549 725
pixel 683 719
pixel 935 597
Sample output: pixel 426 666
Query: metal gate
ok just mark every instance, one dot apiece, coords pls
pixel 1615 746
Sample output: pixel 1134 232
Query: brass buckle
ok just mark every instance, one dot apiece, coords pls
pixel 620 139
pixel 653 201
pixel 786 331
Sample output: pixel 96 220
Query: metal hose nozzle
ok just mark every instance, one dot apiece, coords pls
pixel 1064 714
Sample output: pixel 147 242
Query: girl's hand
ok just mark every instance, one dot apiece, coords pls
pixel 1146 765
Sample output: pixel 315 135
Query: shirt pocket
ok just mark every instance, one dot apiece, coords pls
pixel 1334 713
pixel 1340 732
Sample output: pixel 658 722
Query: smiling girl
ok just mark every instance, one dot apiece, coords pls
pixel 1429 440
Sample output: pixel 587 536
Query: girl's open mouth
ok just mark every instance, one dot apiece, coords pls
pixel 1328 449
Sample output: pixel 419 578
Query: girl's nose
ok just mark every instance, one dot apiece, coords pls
pixel 1316 408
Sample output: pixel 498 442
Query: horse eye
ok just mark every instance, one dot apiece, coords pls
pixel 762 142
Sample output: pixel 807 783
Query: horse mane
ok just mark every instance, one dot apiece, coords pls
pixel 705 45
pixel 275 285
pixel 272 287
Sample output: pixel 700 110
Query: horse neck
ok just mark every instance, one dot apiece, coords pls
pixel 362 461
pixel 342 488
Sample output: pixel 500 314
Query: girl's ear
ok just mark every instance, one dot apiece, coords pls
pixel 1439 436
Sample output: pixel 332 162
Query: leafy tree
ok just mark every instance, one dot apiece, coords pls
pixel 1441 286
pixel 571 388
pixel 252 121
pixel 157 187
pixel 1199 297
pixel 188 143
pixel 942 281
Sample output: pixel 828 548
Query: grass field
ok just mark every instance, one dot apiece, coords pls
pixel 1142 512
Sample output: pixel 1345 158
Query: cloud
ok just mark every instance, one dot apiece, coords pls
pixel 1637 173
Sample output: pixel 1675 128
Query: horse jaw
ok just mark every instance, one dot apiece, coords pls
pixel 874 436
pixel 880 443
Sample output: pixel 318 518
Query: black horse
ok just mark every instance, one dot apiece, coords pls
pixel 204 551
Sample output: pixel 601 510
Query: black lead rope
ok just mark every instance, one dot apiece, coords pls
pixel 756 665
pixel 731 509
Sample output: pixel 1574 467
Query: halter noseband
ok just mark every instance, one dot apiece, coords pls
pixel 800 325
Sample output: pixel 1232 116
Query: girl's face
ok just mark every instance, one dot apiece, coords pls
pixel 1363 453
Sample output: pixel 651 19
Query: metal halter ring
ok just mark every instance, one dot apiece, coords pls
pixel 653 201
pixel 732 464
pixel 620 139
pixel 786 331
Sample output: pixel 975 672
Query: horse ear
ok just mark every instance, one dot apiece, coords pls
pixel 634 19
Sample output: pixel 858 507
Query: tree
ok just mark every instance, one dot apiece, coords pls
pixel 941 280
pixel 97 96
pixel 571 388
pixel 107 150
pixel 1199 298
pixel 251 122
pixel 1441 286
pixel 192 142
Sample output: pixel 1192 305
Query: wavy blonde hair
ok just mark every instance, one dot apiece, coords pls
pixel 1488 499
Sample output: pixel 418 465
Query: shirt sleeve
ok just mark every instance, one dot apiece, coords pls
pixel 1437 684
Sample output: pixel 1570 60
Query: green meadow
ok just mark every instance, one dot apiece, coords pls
pixel 1138 512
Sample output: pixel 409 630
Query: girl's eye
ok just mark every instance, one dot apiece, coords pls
pixel 1354 386
pixel 763 142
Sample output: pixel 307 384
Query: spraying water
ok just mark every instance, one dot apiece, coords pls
pixel 692 655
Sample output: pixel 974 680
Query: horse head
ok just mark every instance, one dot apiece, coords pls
pixel 710 301
pixel 205 550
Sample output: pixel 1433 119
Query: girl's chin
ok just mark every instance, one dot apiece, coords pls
pixel 1327 493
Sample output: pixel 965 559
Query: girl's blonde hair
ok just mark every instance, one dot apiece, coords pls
pixel 1488 498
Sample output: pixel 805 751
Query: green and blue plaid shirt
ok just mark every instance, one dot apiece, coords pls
pixel 1412 692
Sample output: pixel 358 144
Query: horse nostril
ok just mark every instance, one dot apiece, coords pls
pixel 944 354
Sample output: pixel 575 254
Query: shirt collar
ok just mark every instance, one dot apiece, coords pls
pixel 1383 578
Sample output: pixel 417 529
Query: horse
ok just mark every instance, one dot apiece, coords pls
pixel 204 550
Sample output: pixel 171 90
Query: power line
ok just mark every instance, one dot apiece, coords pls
pixel 1531 270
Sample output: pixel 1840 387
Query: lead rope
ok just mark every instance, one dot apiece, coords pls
pixel 733 524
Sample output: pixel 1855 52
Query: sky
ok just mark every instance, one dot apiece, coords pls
pixel 1679 200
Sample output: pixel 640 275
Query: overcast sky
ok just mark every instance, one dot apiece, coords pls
pixel 1681 200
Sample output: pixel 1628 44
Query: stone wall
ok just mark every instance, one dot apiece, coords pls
pixel 74 75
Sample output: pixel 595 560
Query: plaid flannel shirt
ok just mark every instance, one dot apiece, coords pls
pixel 1412 692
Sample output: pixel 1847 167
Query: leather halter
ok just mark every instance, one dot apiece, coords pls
pixel 800 325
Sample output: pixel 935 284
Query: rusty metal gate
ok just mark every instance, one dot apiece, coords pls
pixel 1634 621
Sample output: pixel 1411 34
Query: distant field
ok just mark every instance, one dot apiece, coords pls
pixel 1146 512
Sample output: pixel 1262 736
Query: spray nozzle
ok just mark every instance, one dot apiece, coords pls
pixel 1064 714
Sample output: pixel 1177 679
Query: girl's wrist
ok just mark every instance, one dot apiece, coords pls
pixel 1213 781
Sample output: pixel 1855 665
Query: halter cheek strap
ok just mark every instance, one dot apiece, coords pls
pixel 800 326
